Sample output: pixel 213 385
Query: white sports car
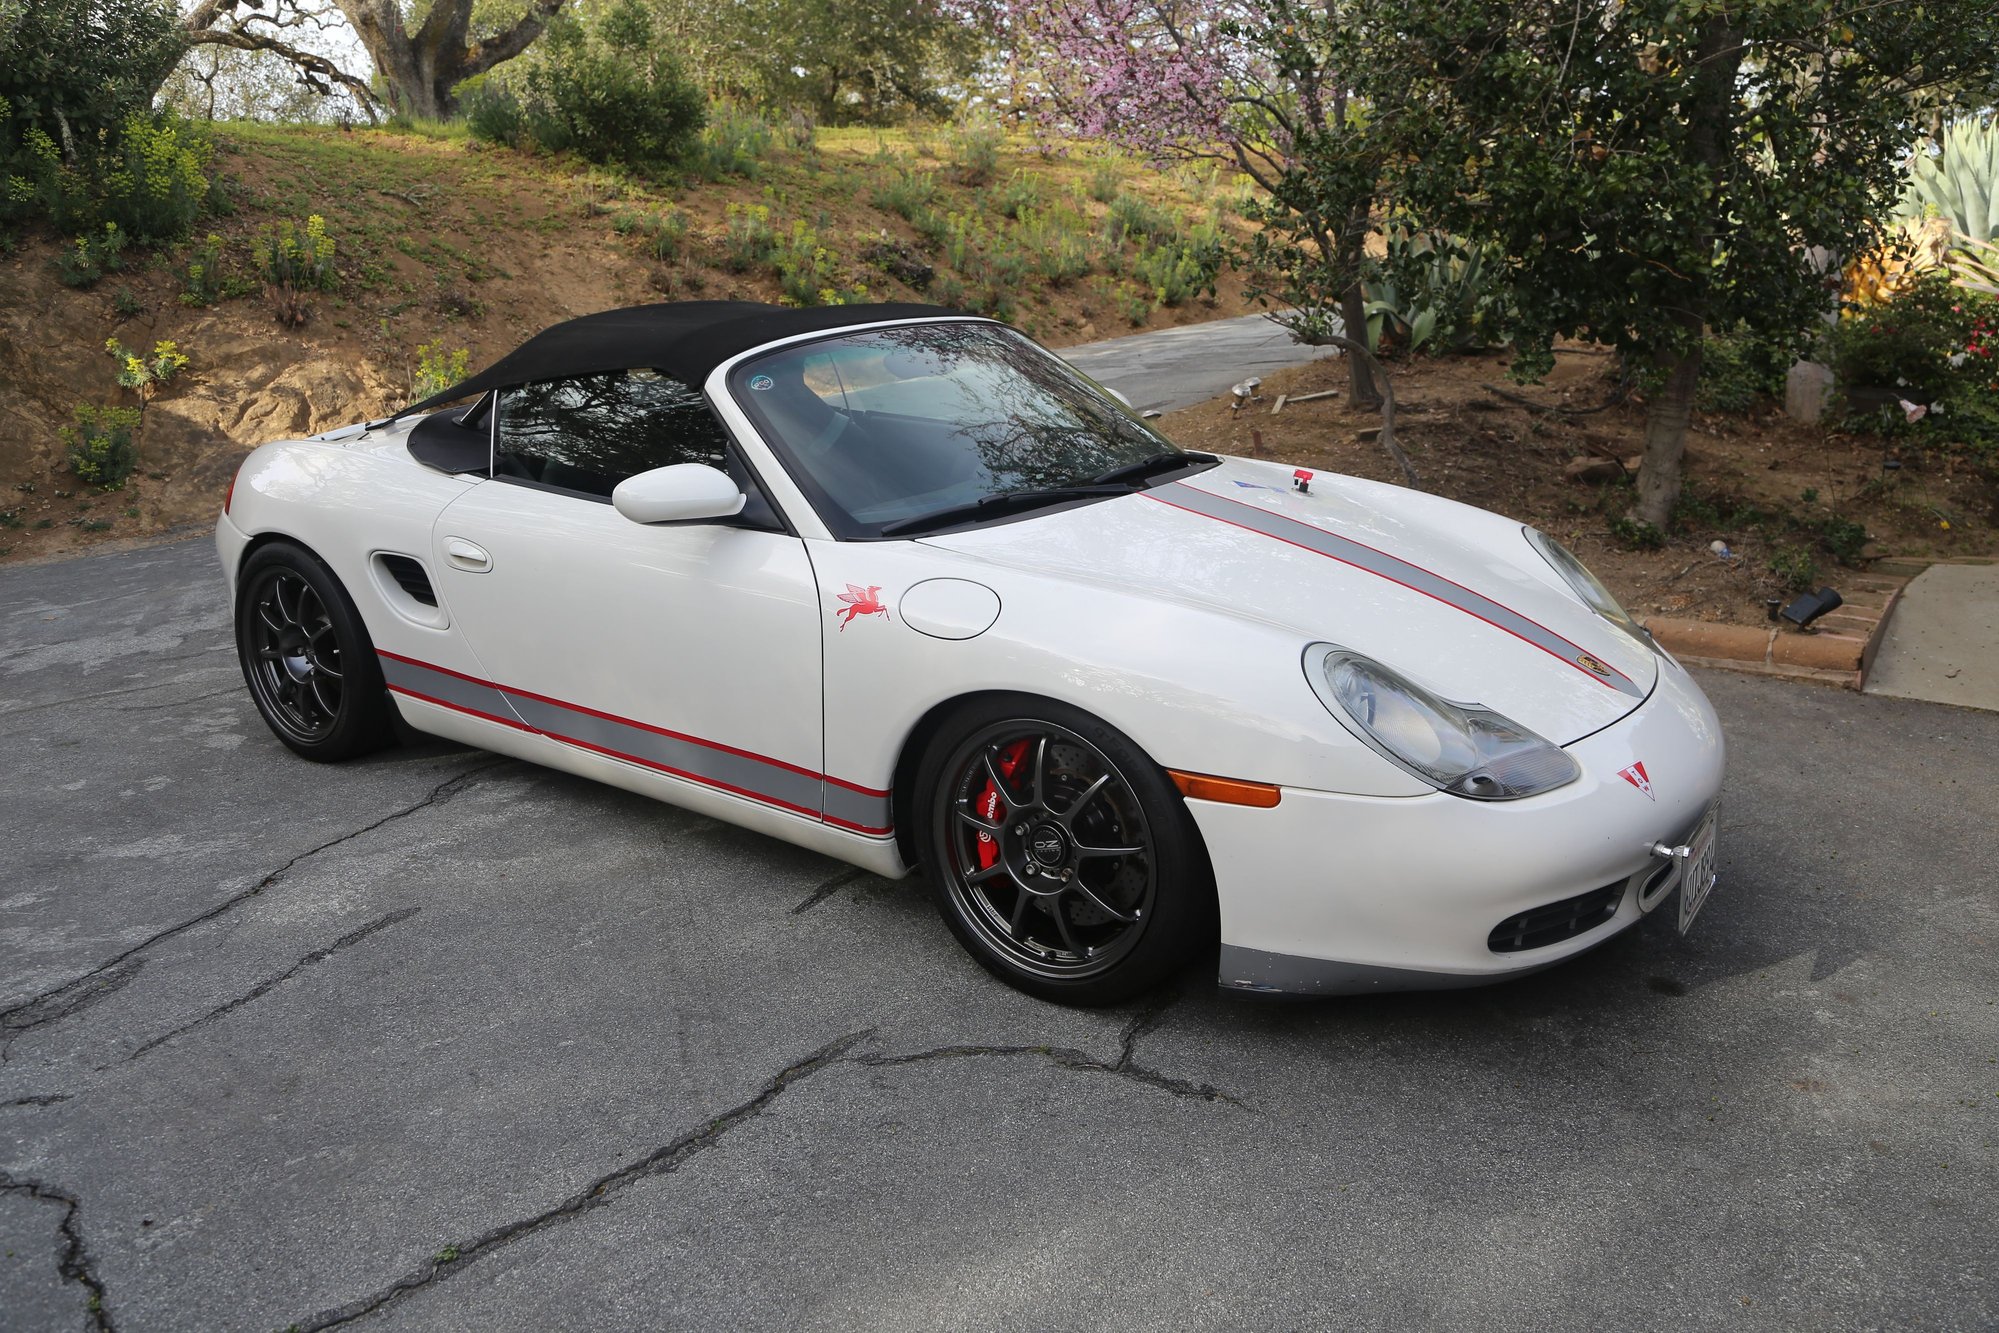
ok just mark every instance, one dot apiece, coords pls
pixel 900 586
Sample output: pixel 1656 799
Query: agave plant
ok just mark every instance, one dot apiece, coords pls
pixel 1436 291
pixel 1974 265
pixel 1960 183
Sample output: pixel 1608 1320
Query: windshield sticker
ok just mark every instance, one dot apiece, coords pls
pixel 859 602
pixel 762 382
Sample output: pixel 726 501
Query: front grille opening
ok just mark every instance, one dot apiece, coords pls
pixel 411 578
pixel 1538 927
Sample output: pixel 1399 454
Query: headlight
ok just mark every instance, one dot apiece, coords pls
pixel 1585 584
pixel 1464 750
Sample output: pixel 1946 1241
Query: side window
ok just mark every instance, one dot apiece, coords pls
pixel 589 433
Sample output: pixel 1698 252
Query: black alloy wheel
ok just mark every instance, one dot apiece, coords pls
pixel 1061 856
pixel 308 661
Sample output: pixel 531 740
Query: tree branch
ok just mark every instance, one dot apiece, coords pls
pixel 315 71
pixel 505 46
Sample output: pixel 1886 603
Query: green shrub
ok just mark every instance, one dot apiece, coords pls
pixel 932 226
pixel 295 263
pixel 1057 245
pixel 1132 216
pixel 604 91
pixel 975 152
pixel 101 449
pixel 140 373
pixel 438 369
pixel 493 113
pixel 91 257
pixel 1176 271
pixel 201 280
pixel 1133 304
pixel 1906 343
pixel 1636 533
pixel 1106 181
pixel 734 142
pixel 749 242
pixel 905 194
pixel 1022 195
pixel 1738 370
pixel 1795 569
pixel 665 234
pixel 156 179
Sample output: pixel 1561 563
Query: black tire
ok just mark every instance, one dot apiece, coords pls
pixel 1059 854
pixel 307 658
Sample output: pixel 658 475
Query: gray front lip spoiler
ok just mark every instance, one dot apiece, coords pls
pixel 1256 972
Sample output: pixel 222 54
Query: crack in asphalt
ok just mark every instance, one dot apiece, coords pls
pixel 72 997
pixel 74 1262
pixel 84 991
pixel 264 987
pixel 37 1099
pixel 1069 1057
pixel 829 888
pixel 661 1161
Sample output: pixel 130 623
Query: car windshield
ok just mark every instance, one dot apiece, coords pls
pixel 925 426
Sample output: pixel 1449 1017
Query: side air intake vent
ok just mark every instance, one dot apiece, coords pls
pixel 411 577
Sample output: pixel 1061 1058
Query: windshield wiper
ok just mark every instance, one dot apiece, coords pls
pixel 1146 467
pixel 992 504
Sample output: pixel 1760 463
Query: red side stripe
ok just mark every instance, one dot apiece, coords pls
pixel 613 717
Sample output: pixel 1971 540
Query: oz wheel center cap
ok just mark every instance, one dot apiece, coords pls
pixel 1048 846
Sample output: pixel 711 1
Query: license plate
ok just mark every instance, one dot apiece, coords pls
pixel 1699 876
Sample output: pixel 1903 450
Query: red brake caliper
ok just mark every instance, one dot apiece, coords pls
pixel 987 802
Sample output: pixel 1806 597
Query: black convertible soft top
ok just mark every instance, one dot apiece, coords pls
pixel 685 339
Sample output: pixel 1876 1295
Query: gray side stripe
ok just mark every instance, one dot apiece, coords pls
pixel 1179 495
pixel 716 768
pixel 445 687
pixel 760 779
pixel 867 812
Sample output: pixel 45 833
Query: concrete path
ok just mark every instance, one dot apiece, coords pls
pixel 444 1041
pixel 1942 640
pixel 1173 368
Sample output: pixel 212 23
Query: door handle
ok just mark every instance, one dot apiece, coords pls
pixel 461 554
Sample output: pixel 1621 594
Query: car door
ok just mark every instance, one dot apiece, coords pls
pixel 689 649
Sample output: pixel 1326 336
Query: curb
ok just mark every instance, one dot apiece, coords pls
pixel 1839 650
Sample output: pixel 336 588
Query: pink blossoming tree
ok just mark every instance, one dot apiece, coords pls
pixel 1255 83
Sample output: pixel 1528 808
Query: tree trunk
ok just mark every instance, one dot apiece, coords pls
pixel 1361 388
pixel 1718 55
pixel 1666 439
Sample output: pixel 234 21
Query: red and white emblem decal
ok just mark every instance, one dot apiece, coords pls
pixel 1635 775
pixel 859 602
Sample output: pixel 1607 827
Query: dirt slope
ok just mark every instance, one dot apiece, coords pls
pixel 443 242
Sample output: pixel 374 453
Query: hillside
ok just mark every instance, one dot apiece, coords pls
pixel 444 243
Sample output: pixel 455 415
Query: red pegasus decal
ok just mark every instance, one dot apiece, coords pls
pixel 859 602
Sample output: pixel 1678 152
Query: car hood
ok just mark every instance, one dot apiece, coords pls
pixel 1453 597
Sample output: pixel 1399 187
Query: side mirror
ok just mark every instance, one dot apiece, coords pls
pixel 1119 396
pixel 678 494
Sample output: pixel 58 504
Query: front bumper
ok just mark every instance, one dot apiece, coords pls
pixel 1333 894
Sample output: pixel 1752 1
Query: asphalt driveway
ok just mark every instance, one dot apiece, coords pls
pixel 444 1041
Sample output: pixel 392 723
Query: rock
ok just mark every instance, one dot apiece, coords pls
pixel 1807 390
pixel 1589 469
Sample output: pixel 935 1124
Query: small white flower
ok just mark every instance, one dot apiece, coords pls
pixel 1956 359
pixel 1914 411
